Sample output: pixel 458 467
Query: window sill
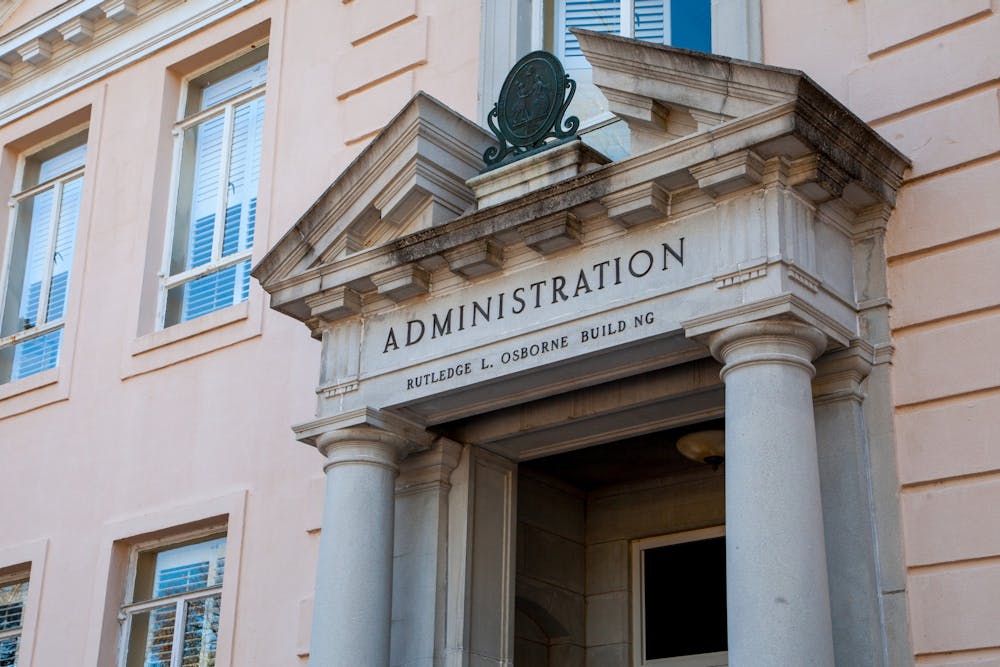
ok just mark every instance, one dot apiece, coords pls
pixel 193 338
pixel 185 330
pixel 32 392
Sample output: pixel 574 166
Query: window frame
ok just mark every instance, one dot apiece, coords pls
pixel 16 576
pixel 18 194
pixel 26 561
pixel 637 547
pixel 129 607
pixel 227 107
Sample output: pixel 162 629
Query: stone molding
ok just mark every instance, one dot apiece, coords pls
pixel 361 444
pixel 430 468
pixel 402 283
pixel 534 172
pixel 840 374
pixel 767 341
pixel 334 304
pixel 638 204
pixel 99 37
pixel 786 307
pixel 727 174
pixel 323 431
pixel 475 259
pixel 552 233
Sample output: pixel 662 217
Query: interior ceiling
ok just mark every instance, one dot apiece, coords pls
pixel 636 459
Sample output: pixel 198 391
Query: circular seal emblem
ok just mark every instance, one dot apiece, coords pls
pixel 531 98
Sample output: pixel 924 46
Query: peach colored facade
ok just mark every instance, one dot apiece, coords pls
pixel 923 74
pixel 139 430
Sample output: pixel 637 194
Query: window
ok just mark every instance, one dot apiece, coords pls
pixel 13 596
pixel 171 613
pixel 679 599
pixel 217 168
pixel 45 210
pixel 684 23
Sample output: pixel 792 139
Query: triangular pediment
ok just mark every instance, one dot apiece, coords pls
pixel 412 215
pixel 677 91
pixel 411 177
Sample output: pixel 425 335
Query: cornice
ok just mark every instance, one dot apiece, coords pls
pixel 81 41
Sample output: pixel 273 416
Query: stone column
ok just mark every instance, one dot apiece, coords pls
pixel 420 572
pixel 352 609
pixel 848 510
pixel 778 599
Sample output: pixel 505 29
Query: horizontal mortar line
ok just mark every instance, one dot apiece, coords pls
pixel 380 80
pixel 944 320
pixel 381 31
pixel 363 137
pixel 546 582
pixel 949 481
pixel 931 658
pixel 17 412
pixel 548 531
pixel 958 166
pixel 184 360
pixel 927 105
pixel 944 246
pixel 935 32
pixel 959 397
pixel 952 565
pixel 986 652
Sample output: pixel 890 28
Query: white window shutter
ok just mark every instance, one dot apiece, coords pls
pixel 649 23
pixel 599 15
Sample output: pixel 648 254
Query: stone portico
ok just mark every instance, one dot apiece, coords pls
pixel 471 323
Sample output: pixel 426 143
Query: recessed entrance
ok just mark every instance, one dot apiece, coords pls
pixel 586 522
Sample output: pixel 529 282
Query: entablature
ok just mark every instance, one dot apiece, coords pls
pixel 564 270
pixel 708 169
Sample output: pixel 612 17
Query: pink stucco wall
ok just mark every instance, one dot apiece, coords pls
pixel 924 74
pixel 146 428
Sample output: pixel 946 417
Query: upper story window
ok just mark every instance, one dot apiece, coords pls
pixel 45 210
pixel 217 168
pixel 170 617
pixel 684 23
pixel 13 595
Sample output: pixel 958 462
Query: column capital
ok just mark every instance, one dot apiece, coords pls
pixel 364 435
pixel 362 444
pixel 431 467
pixel 767 341
pixel 839 375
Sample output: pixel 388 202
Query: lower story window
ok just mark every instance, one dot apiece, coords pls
pixel 679 595
pixel 171 613
pixel 13 594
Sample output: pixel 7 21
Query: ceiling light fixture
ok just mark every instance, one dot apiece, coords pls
pixel 704 447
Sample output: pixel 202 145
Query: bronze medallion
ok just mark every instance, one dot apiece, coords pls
pixel 533 100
